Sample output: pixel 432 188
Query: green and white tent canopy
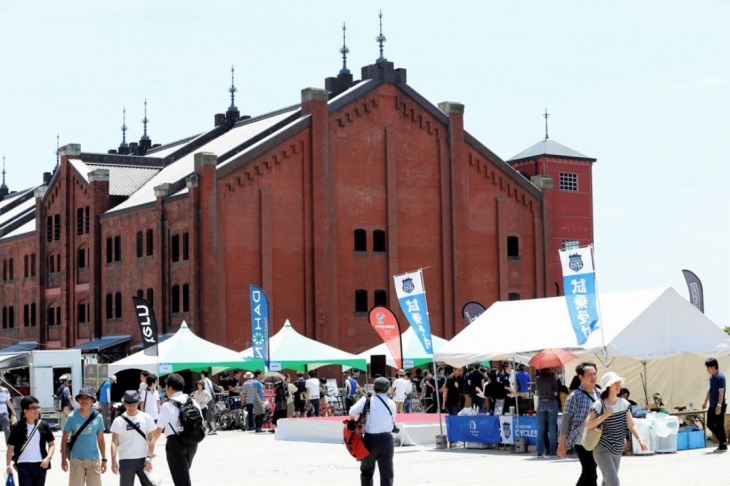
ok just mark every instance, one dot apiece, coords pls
pixel 296 352
pixel 186 351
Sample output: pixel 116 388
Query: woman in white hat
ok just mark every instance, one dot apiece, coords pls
pixel 613 414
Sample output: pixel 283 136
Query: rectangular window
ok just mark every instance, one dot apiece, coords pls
pixel 185 242
pixel 32 264
pixel 32 314
pixel 51 316
pixel 150 242
pixel 58 262
pixel 151 296
pixel 26 315
pixel 380 298
pixel 117 248
pixel 118 305
pixel 86 219
pixel 5 317
pixel 58 315
pixel 109 250
pixel 140 244
pixel 80 221
pixel 175 248
pixel 11 268
pixel 26 267
pixel 175 298
pixel 11 317
pixel 82 313
pixel 49 228
pixel 569 244
pixel 57 227
pixel 568 181
pixel 52 264
pixel 361 301
pixel 186 298
pixel 379 241
pixel 82 257
pixel 109 306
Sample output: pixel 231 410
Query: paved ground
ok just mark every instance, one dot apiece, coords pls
pixel 234 458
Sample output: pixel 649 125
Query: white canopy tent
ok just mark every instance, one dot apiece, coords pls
pixel 412 349
pixel 637 326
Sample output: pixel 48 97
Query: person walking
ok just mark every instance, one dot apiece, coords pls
pixel 718 405
pixel 613 415
pixel 202 398
pixel 248 393
pixel 105 400
pixel 546 389
pixel 7 413
pixel 86 429
pixel 399 390
pixel 312 386
pixel 64 394
pixel 133 442
pixel 179 456
pixel 291 389
pixel 205 378
pixel 378 436
pixel 31 445
pixel 150 398
pixel 351 391
pixel 575 412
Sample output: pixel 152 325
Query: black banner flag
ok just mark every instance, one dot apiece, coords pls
pixel 147 325
pixel 695 290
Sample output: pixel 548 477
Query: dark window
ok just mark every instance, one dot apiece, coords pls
pixel 51 263
pixel 26 268
pixel 380 298
pixel 82 257
pixel 175 297
pixel 49 228
pixel 379 241
pixel 361 240
pixel 140 293
pixel 118 305
pixel 140 244
pixel 186 298
pixel 150 296
pixel 32 264
pixel 117 248
pixel 51 316
pixel 361 301
pixel 513 296
pixel 175 248
pixel 82 315
pixel 150 242
pixel 58 315
pixel 185 246
pixel 86 219
pixel 5 270
pixel 109 306
pixel 11 317
pixel 32 314
pixel 58 262
pixel 80 221
pixel 57 227
pixel 5 317
pixel 109 250
pixel 11 269
pixel 26 315
pixel 513 247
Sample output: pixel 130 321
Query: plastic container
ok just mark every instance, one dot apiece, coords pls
pixel 696 439
pixel 682 440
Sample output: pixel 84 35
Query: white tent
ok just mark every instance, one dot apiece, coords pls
pixel 185 351
pixel 412 349
pixel 637 326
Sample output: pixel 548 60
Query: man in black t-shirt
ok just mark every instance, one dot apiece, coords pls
pixel 451 399
pixel 476 381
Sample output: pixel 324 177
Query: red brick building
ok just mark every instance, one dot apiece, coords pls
pixel 320 204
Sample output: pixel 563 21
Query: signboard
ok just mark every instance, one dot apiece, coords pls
pixel 165 368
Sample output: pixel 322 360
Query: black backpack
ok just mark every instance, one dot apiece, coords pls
pixel 192 422
pixel 301 386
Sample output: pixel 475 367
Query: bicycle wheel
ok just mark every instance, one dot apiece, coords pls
pixel 224 421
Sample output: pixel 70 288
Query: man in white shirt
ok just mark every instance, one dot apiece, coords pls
pixel 179 456
pixel 378 431
pixel 6 411
pixel 133 440
pixel 150 398
pixel 400 388
pixel 312 385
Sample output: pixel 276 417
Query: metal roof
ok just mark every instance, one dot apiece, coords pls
pixel 549 147
pixel 123 179
pixel 103 342
pixel 20 347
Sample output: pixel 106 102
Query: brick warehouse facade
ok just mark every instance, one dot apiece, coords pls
pixel 320 204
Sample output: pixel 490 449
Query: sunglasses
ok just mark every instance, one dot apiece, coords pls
pixel 34 407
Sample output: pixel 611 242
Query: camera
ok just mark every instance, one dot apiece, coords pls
pixel 395 429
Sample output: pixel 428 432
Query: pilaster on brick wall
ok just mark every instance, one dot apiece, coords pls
pixel 210 270
pixel 313 97
pixel 545 184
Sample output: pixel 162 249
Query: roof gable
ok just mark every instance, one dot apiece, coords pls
pixel 549 147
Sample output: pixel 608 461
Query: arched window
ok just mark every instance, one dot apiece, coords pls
pixel 380 298
pixel 513 296
pixel 81 257
pixel 361 241
pixel 513 247
pixel 379 241
pixel 361 301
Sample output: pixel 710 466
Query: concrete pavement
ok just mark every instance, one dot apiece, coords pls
pixel 235 457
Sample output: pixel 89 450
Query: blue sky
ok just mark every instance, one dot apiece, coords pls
pixel 644 87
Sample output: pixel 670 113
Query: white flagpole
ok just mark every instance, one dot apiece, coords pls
pixel 598 304
pixel 433 360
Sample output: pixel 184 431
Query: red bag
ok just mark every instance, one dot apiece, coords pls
pixel 352 433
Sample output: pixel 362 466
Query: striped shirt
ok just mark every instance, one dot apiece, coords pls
pixel 613 429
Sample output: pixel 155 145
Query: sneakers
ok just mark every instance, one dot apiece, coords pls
pixel 721 448
pixel 212 432
pixel 542 456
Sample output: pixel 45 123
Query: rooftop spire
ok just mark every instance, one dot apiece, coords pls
pixel 145 121
pixel 380 39
pixel 124 128
pixel 232 90
pixel 546 115
pixel 3 185
pixel 344 51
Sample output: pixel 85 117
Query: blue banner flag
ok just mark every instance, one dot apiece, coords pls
pixel 412 298
pixel 579 285
pixel 259 323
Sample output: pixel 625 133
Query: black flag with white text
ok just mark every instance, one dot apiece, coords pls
pixel 147 325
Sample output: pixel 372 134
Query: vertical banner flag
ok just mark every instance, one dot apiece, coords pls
pixel 259 323
pixel 386 325
pixel 412 298
pixel 694 285
pixel 579 284
pixel 147 325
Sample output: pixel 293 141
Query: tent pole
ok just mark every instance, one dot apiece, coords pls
pixel 438 393
pixel 598 302
pixel 517 408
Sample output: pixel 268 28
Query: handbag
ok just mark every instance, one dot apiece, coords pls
pixel 72 440
pixel 352 434
pixel 591 437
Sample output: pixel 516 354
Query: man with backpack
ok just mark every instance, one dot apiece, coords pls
pixel 182 423
pixel 64 395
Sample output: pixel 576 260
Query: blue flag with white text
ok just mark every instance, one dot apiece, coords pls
pixel 412 298
pixel 259 323
pixel 579 285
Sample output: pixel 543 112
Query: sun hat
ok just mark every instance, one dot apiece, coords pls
pixel 248 375
pixel 401 373
pixel 113 378
pixel 381 384
pixel 609 379
pixel 86 392
pixel 130 397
